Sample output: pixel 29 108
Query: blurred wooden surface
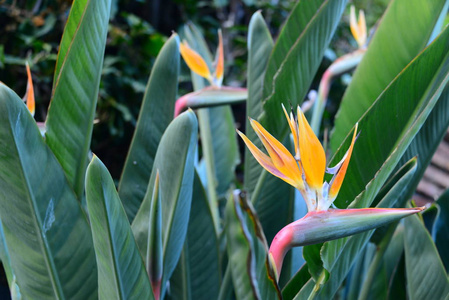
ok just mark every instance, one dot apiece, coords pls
pixel 436 177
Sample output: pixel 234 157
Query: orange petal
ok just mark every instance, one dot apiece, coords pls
pixel 194 61
pixel 294 129
pixel 338 178
pixel 219 63
pixel 264 160
pixel 280 156
pixel 313 158
pixel 358 29
pixel 362 29
pixel 29 96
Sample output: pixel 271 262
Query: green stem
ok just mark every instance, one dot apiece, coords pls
pixel 208 154
pixel 257 189
pixel 338 67
pixel 378 257
pixel 316 288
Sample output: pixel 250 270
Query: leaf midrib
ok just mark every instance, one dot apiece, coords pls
pixel 117 277
pixel 281 66
pixel 57 288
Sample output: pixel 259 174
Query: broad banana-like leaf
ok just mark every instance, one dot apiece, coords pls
pixel 421 256
pixel 296 57
pixel 121 271
pixel 260 44
pixel 175 161
pixel 5 258
pixel 379 287
pixel 75 90
pixel 252 275
pixel 48 238
pixel 400 111
pixel 156 113
pixel 197 275
pixel 440 230
pixel 396 42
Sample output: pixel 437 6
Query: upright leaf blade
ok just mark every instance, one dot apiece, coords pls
pixel 121 271
pixel 421 256
pixel 75 91
pixel 175 161
pixel 440 230
pixel 260 45
pixel 46 232
pixel 197 275
pixel 247 251
pixel 396 42
pixel 155 114
pixel 402 119
pixel 296 57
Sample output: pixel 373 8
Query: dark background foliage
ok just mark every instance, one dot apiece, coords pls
pixel 31 31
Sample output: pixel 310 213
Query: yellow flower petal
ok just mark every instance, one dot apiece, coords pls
pixel 313 158
pixel 338 178
pixel 219 63
pixel 294 129
pixel 264 160
pixel 362 29
pixel 29 96
pixel 194 61
pixel 280 156
pixel 358 29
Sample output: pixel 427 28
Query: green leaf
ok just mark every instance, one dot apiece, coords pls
pixel 5 258
pixel 392 257
pixel 427 140
pixel 197 275
pixel 440 230
pixel 396 42
pixel 175 162
pixel 46 232
pixel 155 114
pixel 260 45
pixel 401 111
pixel 296 57
pixel 225 148
pixel 75 90
pixel 421 256
pixel 296 282
pixel 252 276
pixel 121 272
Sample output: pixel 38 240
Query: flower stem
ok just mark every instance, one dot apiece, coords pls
pixel 338 67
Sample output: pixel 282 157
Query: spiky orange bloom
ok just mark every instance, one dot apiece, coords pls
pixel 305 171
pixel 29 95
pixel 358 29
pixel 197 64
